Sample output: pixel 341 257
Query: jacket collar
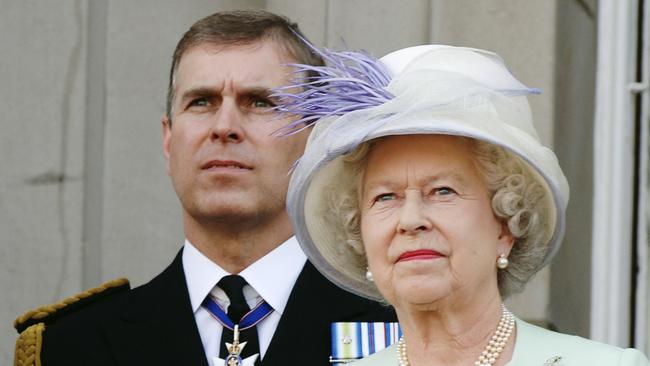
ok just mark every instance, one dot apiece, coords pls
pixel 157 326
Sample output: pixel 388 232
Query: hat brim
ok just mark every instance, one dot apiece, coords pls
pixel 323 169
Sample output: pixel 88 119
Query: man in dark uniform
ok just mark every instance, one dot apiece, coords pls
pixel 240 291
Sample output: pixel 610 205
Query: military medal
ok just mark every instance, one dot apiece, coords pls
pixel 250 319
pixel 234 350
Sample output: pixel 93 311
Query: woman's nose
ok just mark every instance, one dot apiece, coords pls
pixel 412 217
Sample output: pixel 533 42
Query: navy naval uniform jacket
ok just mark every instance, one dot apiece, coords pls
pixel 154 325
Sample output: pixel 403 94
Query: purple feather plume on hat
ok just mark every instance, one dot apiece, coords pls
pixel 350 81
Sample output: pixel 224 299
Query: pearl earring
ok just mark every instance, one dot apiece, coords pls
pixel 502 262
pixel 369 276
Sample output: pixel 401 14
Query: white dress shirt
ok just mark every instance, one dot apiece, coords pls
pixel 270 278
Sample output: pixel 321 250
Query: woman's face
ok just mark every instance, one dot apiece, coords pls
pixel 427 223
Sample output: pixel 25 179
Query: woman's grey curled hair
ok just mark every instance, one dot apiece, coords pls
pixel 518 198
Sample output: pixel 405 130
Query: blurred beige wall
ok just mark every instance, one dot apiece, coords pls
pixel 84 197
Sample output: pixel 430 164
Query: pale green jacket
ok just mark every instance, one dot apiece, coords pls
pixel 536 346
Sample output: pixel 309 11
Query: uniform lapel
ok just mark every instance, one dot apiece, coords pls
pixel 157 327
pixel 303 332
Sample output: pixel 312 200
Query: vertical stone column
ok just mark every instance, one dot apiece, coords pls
pixel 42 100
pixel 575 73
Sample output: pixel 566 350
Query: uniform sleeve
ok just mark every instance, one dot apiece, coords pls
pixel 633 357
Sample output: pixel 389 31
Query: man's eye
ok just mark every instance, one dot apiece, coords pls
pixel 200 102
pixel 262 103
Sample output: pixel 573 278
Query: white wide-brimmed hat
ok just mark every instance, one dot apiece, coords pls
pixel 431 89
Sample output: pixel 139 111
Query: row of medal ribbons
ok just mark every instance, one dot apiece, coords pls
pixel 352 340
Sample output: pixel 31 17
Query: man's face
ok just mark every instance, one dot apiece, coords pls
pixel 224 160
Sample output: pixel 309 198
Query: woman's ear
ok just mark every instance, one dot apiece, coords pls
pixel 506 239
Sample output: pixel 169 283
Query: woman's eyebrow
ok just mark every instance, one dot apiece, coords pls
pixel 382 183
pixel 379 183
pixel 444 175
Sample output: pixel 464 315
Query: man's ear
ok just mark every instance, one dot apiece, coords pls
pixel 166 123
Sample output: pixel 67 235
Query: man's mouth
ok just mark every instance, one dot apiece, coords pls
pixel 420 254
pixel 225 164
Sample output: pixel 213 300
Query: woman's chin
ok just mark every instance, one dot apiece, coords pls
pixel 420 293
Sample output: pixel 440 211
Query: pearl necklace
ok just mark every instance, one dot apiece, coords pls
pixel 492 351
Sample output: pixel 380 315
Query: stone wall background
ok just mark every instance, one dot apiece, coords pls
pixel 84 197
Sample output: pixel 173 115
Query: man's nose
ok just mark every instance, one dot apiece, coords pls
pixel 227 124
pixel 412 216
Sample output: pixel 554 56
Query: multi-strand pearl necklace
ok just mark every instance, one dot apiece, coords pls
pixel 492 351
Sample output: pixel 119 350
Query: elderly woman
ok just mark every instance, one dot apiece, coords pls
pixel 424 184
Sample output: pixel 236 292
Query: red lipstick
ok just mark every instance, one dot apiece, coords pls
pixel 419 254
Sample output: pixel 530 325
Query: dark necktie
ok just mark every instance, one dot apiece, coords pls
pixel 233 286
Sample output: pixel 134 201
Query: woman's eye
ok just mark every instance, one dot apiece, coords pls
pixel 385 197
pixel 443 191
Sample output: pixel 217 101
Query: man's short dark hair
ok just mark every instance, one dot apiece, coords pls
pixel 241 27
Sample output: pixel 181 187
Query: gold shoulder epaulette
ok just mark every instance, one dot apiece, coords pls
pixel 46 313
pixel 31 325
pixel 28 346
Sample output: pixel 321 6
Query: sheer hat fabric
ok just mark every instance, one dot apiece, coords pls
pixel 435 89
